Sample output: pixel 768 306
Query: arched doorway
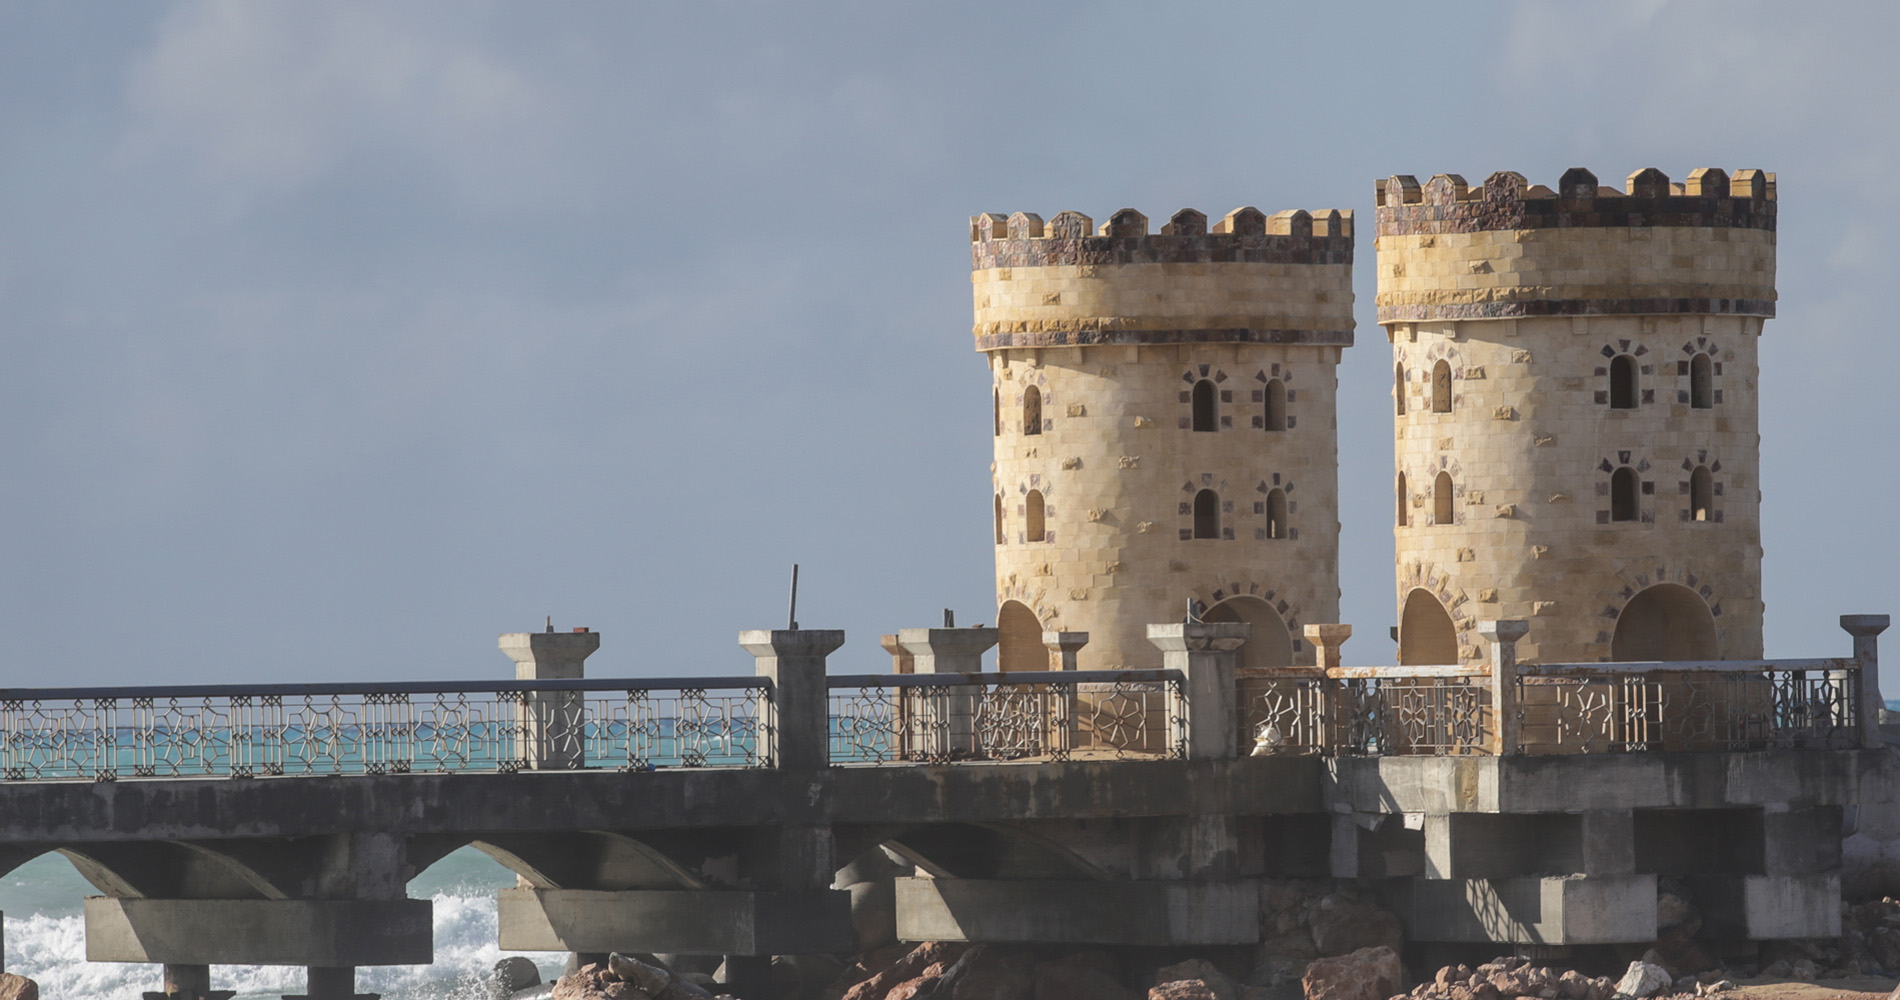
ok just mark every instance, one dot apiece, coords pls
pixel 1426 634
pixel 1270 644
pixel 1019 639
pixel 1665 622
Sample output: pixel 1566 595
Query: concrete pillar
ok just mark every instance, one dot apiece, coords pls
pixel 901 661
pixel 1326 641
pixel 550 733
pixel 329 982
pixel 801 705
pixel 1504 635
pixel 1065 645
pixel 1866 631
pixel 189 982
pixel 1609 842
pixel 944 719
pixel 1207 654
pixel 947 650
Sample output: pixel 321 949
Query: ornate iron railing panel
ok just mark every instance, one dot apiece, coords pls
pixel 1413 715
pixel 1044 715
pixel 342 729
pixel 1717 705
pixel 1282 711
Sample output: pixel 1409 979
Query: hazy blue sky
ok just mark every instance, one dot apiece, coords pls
pixel 341 337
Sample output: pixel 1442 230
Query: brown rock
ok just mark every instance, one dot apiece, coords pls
pixel 1452 975
pixel 1063 980
pixel 1573 985
pixel 901 972
pixel 1341 925
pixel 926 983
pixel 1483 991
pixel 1203 970
pixel 1184 989
pixel 594 982
pixel 14 987
pixel 1366 974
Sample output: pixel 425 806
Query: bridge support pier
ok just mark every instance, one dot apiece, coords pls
pixel 188 982
pixel 330 982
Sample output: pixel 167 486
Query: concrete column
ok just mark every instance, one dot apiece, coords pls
pixel 1866 631
pixel 944 720
pixel 1066 645
pixel 550 737
pixel 1504 635
pixel 1609 842
pixel 189 982
pixel 1326 641
pixel 801 704
pixel 901 662
pixel 1208 655
pixel 328 982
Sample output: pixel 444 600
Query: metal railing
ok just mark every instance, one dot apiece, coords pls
pixel 1365 711
pixel 108 734
pixel 1703 705
pixel 1041 715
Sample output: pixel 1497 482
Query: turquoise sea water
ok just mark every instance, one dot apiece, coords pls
pixel 45 939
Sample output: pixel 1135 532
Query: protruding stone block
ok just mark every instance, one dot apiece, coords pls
pixel 1044 911
pixel 694 922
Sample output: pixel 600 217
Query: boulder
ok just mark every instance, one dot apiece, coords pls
pixel 1183 989
pixel 514 973
pixel 989 972
pixel 1644 979
pixel 594 982
pixel 1203 970
pixel 1064 980
pixel 656 981
pixel 1341 925
pixel 14 987
pixel 905 970
pixel 926 983
pixel 1366 974
pixel 1574 985
pixel 1804 970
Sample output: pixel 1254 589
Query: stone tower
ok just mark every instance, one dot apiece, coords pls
pixel 1164 426
pixel 1575 389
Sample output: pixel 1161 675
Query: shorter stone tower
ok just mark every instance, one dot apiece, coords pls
pixel 1164 425
pixel 1575 393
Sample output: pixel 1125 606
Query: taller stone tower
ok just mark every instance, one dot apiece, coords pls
pixel 1575 393
pixel 1164 425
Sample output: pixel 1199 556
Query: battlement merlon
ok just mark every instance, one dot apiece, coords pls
pixel 1510 250
pixel 1248 278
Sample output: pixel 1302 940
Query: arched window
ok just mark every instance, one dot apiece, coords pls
pixel 1623 494
pixel 1441 500
pixel 1701 382
pixel 998 393
pixel 1398 389
pixel 1276 513
pixel 1701 494
pixel 1019 639
pixel 1205 417
pixel 1441 387
pixel 1276 405
pixel 1032 410
pixel 1427 636
pixel 1402 500
pixel 1667 621
pixel 1622 382
pixel 1032 517
pixel 1000 536
pixel 1206 514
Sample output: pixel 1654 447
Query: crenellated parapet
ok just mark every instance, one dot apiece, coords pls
pixel 1247 278
pixel 1509 249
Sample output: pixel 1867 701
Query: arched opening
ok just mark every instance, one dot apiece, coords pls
pixel 1701 382
pixel 1398 389
pixel 1442 509
pixel 1032 517
pixel 1032 410
pixel 1665 622
pixel 1402 498
pixel 1001 536
pixel 1019 639
pixel 1275 417
pixel 1622 382
pixel 1441 387
pixel 1623 494
pixel 1205 416
pixel 1206 514
pixel 1701 494
pixel 1276 513
pixel 1426 635
pixel 1270 644
pixel 997 395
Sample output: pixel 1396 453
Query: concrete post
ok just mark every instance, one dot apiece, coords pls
pixel 945 720
pixel 551 738
pixel 1866 631
pixel 189 982
pixel 901 662
pixel 327 982
pixel 801 705
pixel 1327 640
pixel 1504 635
pixel 1065 645
pixel 1208 655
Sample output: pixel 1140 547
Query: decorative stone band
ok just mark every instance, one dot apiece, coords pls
pixel 1420 312
pixel 1710 199
pixel 1232 335
pixel 1174 299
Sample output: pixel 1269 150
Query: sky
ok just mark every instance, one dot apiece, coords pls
pixel 339 338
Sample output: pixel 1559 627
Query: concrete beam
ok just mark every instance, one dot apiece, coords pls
pixel 693 922
pixel 1078 912
pixel 319 932
pixel 1556 911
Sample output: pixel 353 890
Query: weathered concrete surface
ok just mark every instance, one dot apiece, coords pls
pixel 1557 911
pixel 724 922
pixel 326 932
pixel 1076 912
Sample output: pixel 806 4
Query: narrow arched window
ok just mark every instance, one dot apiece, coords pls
pixel 998 393
pixel 1000 536
pixel 1398 389
pixel 1205 417
pixel 1622 382
pixel 1206 514
pixel 1032 410
pixel 1442 500
pixel 1701 494
pixel 1032 517
pixel 1441 387
pixel 1276 405
pixel 1623 494
pixel 1276 514
pixel 1701 382
pixel 1402 500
